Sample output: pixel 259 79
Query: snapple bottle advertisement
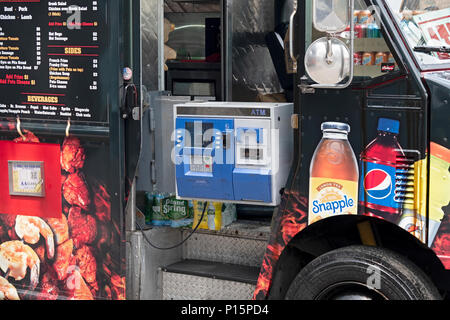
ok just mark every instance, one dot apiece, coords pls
pixel 333 188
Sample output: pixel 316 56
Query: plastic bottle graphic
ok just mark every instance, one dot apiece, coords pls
pixel 380 166
pixel 333 186
pixel 211 212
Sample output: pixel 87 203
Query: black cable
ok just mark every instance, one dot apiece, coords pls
pixel 173 247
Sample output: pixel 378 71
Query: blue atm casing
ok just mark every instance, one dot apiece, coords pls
pixel 231 152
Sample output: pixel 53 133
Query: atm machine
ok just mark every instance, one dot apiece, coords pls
pixel 233 152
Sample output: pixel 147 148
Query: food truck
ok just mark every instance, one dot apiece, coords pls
pixel 224 150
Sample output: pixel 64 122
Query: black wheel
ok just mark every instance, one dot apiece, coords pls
pixel 362 273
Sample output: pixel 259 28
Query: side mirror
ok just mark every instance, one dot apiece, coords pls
pixel 327 61
pixel 331 16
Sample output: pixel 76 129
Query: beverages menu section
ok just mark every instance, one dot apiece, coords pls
pixel 50 60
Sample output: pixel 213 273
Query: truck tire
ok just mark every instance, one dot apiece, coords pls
pixel 362 273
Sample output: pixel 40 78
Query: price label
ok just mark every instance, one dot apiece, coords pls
pixel 26 178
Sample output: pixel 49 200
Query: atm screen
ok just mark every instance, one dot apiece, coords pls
pixel 201 133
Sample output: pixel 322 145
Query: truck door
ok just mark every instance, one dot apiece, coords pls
pixel 380 90
pixel 368 92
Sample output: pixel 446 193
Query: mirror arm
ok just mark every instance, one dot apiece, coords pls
pixel 352 53
pixel 329 58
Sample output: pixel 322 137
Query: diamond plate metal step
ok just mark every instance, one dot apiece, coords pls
pixel 217 265
pixel 206 280
pixel 242 243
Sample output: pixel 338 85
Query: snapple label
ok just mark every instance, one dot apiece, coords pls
pixel 331 198
pixel 333 186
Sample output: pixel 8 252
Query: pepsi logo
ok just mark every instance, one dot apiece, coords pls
pixel 378 184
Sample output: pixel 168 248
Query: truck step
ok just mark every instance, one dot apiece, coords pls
pixel 207 280
pixel 242 243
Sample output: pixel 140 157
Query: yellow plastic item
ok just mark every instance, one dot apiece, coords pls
pixel 212 219
pixel 217 215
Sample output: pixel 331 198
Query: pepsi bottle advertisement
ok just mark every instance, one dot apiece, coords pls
pixel 380 169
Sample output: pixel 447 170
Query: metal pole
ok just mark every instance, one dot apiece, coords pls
pixel 131 208
pixel 161 72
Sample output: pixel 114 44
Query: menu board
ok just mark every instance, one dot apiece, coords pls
pixel 50 60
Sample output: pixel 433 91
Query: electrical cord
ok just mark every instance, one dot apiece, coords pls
pixel 135 93
pixel 179 244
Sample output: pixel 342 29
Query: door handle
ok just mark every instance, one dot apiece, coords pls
pixel 291 36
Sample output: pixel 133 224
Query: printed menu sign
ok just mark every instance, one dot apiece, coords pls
pixel 50 57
